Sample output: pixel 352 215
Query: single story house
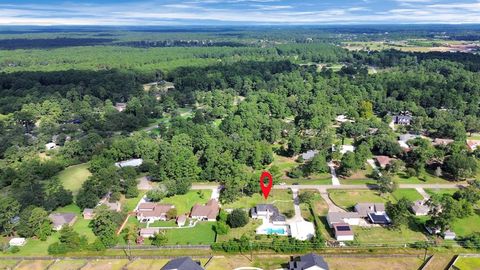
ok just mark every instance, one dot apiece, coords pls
pixel 343 232
pixel 120 107
pixel 308 262
pixel 129 163
pixel 150 212
pixel 50 146
pixel 350 218
pixel 343 119
pixel 208 212
pixel 17 242
pixel 181 220
pixel 419 208
pixel 309 154
pixel 148 232
pixel 183 263
pixel 346 148
pixel 473 144
pixel 61 219
pixel 442 142
pixel 375 212
pixel 383 161
pixel 88 213
pixel 449 235
pixel 269 212
pixel 403 118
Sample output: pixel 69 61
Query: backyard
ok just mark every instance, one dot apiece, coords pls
pixel 468 263
pixel 73 177
pixel 408 193
pixel 281 198
pixel 184 203
pixel 468 225
pixel 380 235
pixel 202 233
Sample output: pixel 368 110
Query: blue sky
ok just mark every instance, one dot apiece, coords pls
pixel 216 12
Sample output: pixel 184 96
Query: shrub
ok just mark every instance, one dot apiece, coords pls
pixel 238 218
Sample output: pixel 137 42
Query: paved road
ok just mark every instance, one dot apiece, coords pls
pixel 335 180
pixel 327 187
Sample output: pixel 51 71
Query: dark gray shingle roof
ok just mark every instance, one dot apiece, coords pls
pixel 183 263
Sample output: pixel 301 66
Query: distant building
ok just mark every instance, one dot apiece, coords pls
pixel 183 263
pixel 269 212
pixel 403 118
pixel 148 232
pixel 442 142
pixel 309 154
pixel 375 212
pixel 208 212
pixel 113 206
pixel 151 212
pixel 129 163
pixel 346 148
pixel 343 119
pixel 88 213
pixel 181 220
pixel 419 208
pixel 350 218
pixel 308 262
pixel 120 107
pixel 343 232
pixel 50 146
pixel 449 235
pixel 473 144
pixel 61 219
pixel 383 161
pixel 17 242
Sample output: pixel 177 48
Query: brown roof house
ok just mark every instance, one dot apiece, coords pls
pixel 61 219
pixel 383 161
pixel 207 212
pixel 88 213
pixel 151 212
pixel 473 144
pixel 149 232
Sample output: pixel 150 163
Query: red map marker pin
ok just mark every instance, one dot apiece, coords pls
pixel 266 189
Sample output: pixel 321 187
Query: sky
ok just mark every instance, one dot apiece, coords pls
pixel 235 12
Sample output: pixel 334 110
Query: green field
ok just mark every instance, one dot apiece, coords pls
pixel 468 225
pixel 468 263
pixel 449 191
pixel 348 198
pixel 73 177
pixel 184 203
pixel 67 265
pixel 248 230
pixel 424 178
pixel 408 193
pixel 281 198
pixel 202 233
pixel 380 235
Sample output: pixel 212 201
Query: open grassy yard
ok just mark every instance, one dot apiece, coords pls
pixel 348 198
pixel 68 265
pixel 468 263
pixel 425 178
pixel 408 193
pixel 380 235
pixel 285 164
pixel 468 225
pixel 282 198
pixel 33 265
pixel 449 191
pixel 80 225
pixel 73 177
pixel 184 203
pixel 202 233
pixel 161 223
pixel 248 230
pixel 318 179
pixel 35 247
pixel 369 263
pixel 131 203
pixel 105 265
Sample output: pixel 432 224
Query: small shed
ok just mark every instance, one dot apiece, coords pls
pixel 17 242
pixel 449 235
pixel 88 213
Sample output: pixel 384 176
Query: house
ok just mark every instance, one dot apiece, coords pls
pixel 346 148
pixel 343 119
pixel 17 242
pixel 350 218
pixel 148 232
pixel 129 163
pixel 182 263
pixel 473 144
pixel 442 142
pixel 309 154
pixel 375 212
pixel 343 232
pixel 383 161
pixel 181 220
pixel 308 262
pixel 269 212
pixel 403 118
pixel 50 146
pixel 419 208
pixel 150 212
pixel 61 219
pixel 208 212
pixel 88 213
pixel 120 107
pixel 449 235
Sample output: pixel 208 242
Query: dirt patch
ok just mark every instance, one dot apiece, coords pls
pixel 33 265
pixel 439 262
pixel 105 265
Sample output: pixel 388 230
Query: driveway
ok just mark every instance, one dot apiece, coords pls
pixel 335 180
pixel 332 207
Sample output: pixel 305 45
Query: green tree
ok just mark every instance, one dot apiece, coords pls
pixel 159 239
pixel 237 218
pixel 399 212
pixel 9 209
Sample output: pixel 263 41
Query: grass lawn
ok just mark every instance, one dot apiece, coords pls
pixel 202 233
pixel 67 265
pixel 248 230
pixel 317 179
pixel 33 265
pixel 348 198
pixel 468 263
pixel 105 264
pixel 169 223
pixel 184 203
pixel 73 177
pixel 357 181
pixel 284 164
pixel 367 263
pixel 7 264
pixel 380 235
pixel 35 247
pixel 408 193
pixel 131 203
pixel 425 178
pixel 361 174
pixel 281 198
pixel 466 226
pixel 449 191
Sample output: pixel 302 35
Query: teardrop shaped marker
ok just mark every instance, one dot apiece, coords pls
pixel 266 189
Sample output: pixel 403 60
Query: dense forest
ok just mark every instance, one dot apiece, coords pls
pixel 248 103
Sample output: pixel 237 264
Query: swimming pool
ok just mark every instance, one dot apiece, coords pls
pixel 280 231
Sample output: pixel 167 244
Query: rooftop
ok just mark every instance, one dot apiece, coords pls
pixel 183 263
pixel 129 163
pixel 209 210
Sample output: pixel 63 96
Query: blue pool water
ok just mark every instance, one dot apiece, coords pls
pixel 275 231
